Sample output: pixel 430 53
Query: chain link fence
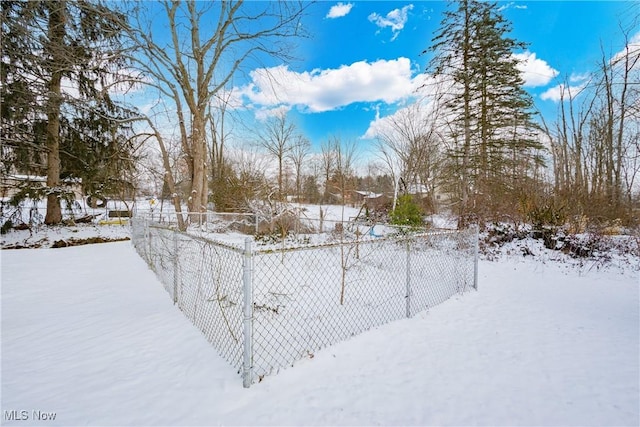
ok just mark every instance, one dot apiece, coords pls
pixel 264 306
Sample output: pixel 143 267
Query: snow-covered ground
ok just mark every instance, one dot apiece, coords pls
pixel 89 334
pixel 46 237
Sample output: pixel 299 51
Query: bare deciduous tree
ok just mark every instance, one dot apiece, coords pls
pixel 278 139
pixel 208 42
pixel 299 152
pixel 593 142
pixel 343 174
pixel 327 164
pixel 409 146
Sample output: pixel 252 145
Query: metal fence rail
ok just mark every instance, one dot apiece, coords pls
pixel 263 308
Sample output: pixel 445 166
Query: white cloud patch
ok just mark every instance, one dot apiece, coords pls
pixel 421 112
pixel 577 82
pixel 378 126
pixel 562 91
pixel 512 5
pixel 339 10
pixel 396 19
pixel 579 77
pixel 325 90
pixel 265 113
pixel 535 71
pixel 632 49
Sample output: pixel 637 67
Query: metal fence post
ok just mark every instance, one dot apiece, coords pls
pixel 476 236
pixel 247 273
pixel 257 224
pixel 147 241
pixel 176 266
pixel 408 279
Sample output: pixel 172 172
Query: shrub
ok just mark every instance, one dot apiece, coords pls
pixel 547 215
pixel 407 212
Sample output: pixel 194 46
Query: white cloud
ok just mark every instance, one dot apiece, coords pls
pixel 512 5
pixel 578 81
pixel 579 77
pixel 339 10
pixel 535 71
pixel 324 90
pixel 396 19
pixel 376 127
pixel 557 93
pixel 265 113
pixel 569 90
pixel 420 113
pixel 631 49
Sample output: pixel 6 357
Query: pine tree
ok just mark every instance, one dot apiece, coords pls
pixel 407 212
pixel 490 112
pixel 23 124
pixel 59 60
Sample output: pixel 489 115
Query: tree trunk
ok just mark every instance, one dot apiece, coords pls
pixel 466 150
pixel 198 188
pixel 55 50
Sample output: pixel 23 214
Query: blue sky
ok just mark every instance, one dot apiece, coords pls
pixel 363 60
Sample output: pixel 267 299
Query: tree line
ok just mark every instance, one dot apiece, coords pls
pixel 69 68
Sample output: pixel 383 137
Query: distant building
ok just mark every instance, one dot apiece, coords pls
pixel 10 185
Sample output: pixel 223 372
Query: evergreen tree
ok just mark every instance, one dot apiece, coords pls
pixel 99 151
pixel 59 60
pixel 490 112
pixel 23 125
pixel 407 212
pixel 311 193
